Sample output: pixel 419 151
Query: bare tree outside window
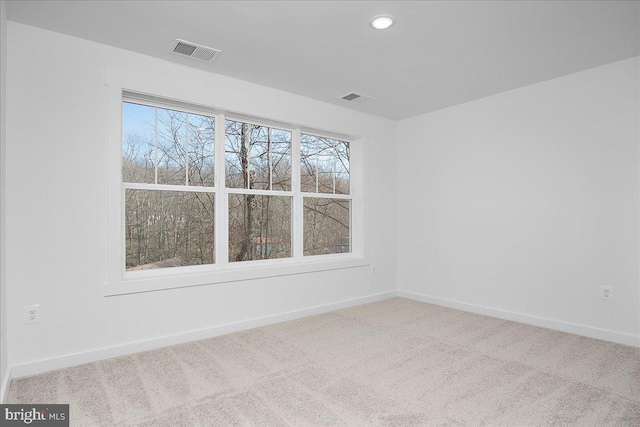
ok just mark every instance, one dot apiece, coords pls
pixel 324 165
pixel 259 227
pixel 258 157
pixel 326 226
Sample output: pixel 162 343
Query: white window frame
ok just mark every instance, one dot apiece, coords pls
pixel 121 282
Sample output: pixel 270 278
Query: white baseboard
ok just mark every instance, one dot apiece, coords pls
pixel 587 331
pixel 74 359
pixel 4 386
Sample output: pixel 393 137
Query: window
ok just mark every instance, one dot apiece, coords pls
pixel 203 190
pixel 168 184
pixel 324 170
pixel 258 158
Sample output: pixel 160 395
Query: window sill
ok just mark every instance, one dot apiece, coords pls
pixel 199 276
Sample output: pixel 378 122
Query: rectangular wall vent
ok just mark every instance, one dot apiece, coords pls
pixel 196 51
pixel 356 98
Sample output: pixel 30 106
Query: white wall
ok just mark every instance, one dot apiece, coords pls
pixel 4 362
pixel 56 207
pixel 522 204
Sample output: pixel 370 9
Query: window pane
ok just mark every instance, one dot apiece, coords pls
pixel 341 164
pixel 172 134
pixel 258 141
pixel 257 157
pixel 324 165
pixel 234 153
pixel 138 143
pixel 259 227
pixel 326 226
pixel 201 140
pixel 308 155
pixel 178 135
pixel 325 181
pixel 280 159
pixel 168 229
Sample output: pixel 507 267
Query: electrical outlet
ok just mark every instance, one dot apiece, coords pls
pixel 606 293
pixel 32 313
pixel 373 269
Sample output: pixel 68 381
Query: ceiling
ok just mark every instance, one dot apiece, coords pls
pixel 436 55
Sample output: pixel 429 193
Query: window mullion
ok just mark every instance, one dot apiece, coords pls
pixel 333 175
pixel 270 159
pixel 246 141
pixel 186 150
pixel 317 159
pixel 155 169
pixel 221 212
pixel 297 232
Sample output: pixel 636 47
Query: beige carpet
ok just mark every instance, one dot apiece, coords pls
pixel 392 363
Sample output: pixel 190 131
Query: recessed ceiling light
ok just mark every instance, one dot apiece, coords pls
pixel 380 22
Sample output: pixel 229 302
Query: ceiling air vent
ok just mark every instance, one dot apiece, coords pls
pixel 196 51
pixel 356 98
